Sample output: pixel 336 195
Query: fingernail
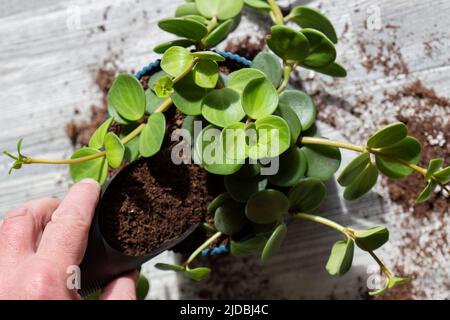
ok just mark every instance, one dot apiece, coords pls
pixel 89 181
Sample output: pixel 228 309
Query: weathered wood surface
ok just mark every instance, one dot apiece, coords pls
pixel 48 49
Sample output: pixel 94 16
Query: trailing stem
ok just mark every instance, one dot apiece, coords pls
pixel 276 11
pixel 208 242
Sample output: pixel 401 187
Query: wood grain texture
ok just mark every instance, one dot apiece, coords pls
pixel 49 50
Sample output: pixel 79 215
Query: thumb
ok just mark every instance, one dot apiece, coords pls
pixel 122 288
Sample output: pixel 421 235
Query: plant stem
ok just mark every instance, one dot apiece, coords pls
pixel 354 147
pixel 276 12
pixel 286 78
pixel 321 220
pixel 212 24
pixel 346 231
pixel 186 71
pixel 200 249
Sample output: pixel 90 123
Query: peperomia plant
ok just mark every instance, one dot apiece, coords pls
pixel 254 130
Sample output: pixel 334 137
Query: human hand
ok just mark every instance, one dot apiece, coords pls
pixel 43 238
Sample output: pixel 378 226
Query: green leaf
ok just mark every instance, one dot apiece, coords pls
pixel 323 161
pixel 115 150
pixel 334 69
pixel 223 10
pixel 132 147
pixel 291 118
pixel 242 189
pixel 433 166
pixel 233 139
pixel 153 101
pixel 210 155
pixel 218 201
pixel 219 33
pixel 258 4
pixel 390 283
pixel 143 286
pixel 186 9
pixel 443 175
pixel 229 218
pixel 354 169
pixel 163 47
pixel 341 257
pixel 274 243
pixel 197 18
pixel 176 60
pixel 302 105
pixel 409 150
pixel 197 274
pixel 321 50
pixel 209 55
pixel 290 45
pixel 248 170
pixel 273 138
pixel 371 239
pixel 269 64
pixel 238 80
pixel 292 168
pixel 266 206
pixel 96 169
pixel 152 136
pixel 388 135
pixel 307 17
pixel 183 27
pixel 307 195
pixel 188 96
pixel 259 98
pixel 248 247
pixel 154 78
pixel 206 73
pixel 127 97
pixel 98 137
pixel 169 267
pixel 363 183
pixel 427 192
pixel 164 87
pixel 222 107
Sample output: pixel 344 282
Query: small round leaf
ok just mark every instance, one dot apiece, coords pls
pixel 186 9
pixel 433 166
pixel 209 55
pixel 269 64
pixel 292 168
pixel 143 286
pixel 164 87
pixel 363 183
pixel 371 239
pixel 184 27
pixel 96 169
pixel 115 150
pixel 238 80
pixel 443 175
pixel 197 274
pixel 234 141
pixel 206 73
pixel 341 257
pixel 169 267
pixel 229 218
pixel 163 47
pixel 222 107
pixel 258 4
pixel 322 51
pixel 188 96
pixel 152 136
pixel 153 101
pixel 334 69
pixel 98 137
pixel 218 201
pixel 242 189
pixel 274 243
pixel 323 161
pixel 223 10
pixel 302 105
pixel 248 247
pixel 290 45
pixel 427 192
pixel 219 33
pixel 307 195
pixel 307 17
pixel 266 206
pixel 388 135
pixel 127 97
pixel 259 98
pixel 176 60
pixel 354 169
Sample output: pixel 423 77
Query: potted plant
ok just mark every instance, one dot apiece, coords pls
pixel 236 153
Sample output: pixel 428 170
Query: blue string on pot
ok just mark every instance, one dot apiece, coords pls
pixel 222 249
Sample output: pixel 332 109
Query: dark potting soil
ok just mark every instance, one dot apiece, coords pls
pixel 157 201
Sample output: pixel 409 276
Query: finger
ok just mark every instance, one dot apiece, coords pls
pixel 21 228
pixel 123 288
pixel 65 237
